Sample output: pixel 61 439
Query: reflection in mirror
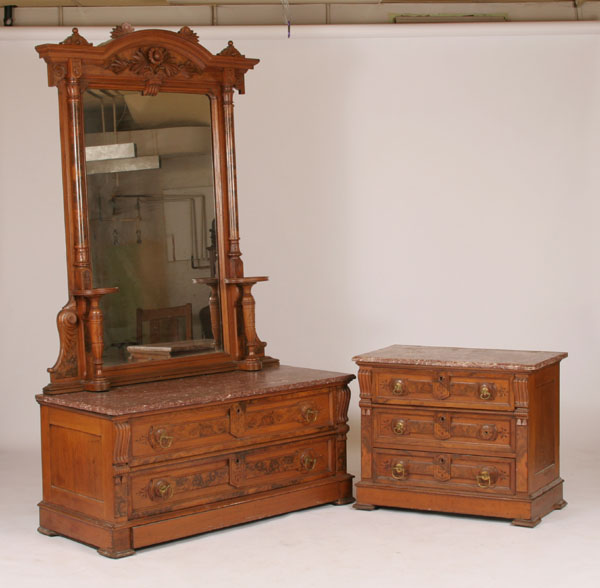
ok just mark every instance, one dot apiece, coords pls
pixel 151 210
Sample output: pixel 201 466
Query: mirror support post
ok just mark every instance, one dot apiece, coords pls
pixel 77 184
pixel 236 265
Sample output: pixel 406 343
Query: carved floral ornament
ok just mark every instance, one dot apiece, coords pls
pixel 155 64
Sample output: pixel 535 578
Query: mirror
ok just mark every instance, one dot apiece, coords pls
pixel 151 214
pixel 156 284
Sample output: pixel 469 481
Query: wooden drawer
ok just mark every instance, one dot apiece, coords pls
pixel 443 430
pixel 198 482
pixel 444 388
pixel 444 471
pixel 224 426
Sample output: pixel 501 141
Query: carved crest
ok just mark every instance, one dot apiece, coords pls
pixel 155 64
pixel 230 51
pixel 121 30
pixel 75 39
pixel 188 34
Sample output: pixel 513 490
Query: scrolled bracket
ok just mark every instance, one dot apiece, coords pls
pixel 67 364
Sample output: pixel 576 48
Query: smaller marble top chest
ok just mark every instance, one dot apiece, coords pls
pixel 472 431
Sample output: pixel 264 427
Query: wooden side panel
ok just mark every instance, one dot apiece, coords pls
pixel 543 439
pixel 77 462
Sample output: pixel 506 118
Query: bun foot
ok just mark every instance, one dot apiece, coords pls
pixel 526 522
pixel 116 554
pixel 46 532
pixel 363 506
pixel 344 500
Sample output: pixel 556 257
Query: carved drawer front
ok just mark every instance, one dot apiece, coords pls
pixel 444 388
pixel 199 429
pixel 454 472
pixel 444 429
pixel 180 431
pixel 294 414
pixel 162 489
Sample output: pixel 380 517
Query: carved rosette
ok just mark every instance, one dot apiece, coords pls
pixel 154 64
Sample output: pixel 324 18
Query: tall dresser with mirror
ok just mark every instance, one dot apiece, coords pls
pixel 164 417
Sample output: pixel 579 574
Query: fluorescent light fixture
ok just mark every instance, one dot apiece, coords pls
pixel 111 166
pixel 114 151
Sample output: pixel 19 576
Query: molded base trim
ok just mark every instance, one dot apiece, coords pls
pixel 116 541
pixel 526 511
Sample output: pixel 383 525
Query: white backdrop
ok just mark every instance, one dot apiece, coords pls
pixel 421 185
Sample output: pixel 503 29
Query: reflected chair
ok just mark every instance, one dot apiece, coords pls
pixel 173 323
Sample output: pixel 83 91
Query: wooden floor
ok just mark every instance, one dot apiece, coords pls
pixel 320 545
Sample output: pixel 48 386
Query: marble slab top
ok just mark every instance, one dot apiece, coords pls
pixel 460 357
pixel 194 391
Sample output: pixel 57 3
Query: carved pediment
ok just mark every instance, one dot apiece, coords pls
pixel 154 64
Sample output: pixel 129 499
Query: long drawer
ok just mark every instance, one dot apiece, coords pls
pixel 444 471
pixel 444 430
pixel 224 426
pixel 193 483
pixel 443 388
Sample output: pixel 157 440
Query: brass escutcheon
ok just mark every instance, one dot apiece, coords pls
pixel 310 415
pixel 399 427
pixel 398 388
pixel 484 478
pixel 399 471
pixel 308 462
pixel 487 432
pixel 484 392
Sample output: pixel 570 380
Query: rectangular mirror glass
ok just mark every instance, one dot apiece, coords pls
pixel 151 211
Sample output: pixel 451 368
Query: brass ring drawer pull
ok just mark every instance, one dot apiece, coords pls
pixel 399 471
pixel 309 463
pixel 400 427
pixel 485 392
pixel 163 440
pixel 398 389
pixel 163 489
pixel 485 478
pixel 310 415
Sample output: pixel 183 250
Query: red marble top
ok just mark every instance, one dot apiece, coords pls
pixel 460 357
pixel 194 391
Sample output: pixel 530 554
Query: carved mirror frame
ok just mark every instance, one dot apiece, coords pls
pixel 148 61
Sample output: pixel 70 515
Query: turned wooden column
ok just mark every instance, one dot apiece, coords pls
pixel 252 360
pixel 94 336
pixel 214 307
